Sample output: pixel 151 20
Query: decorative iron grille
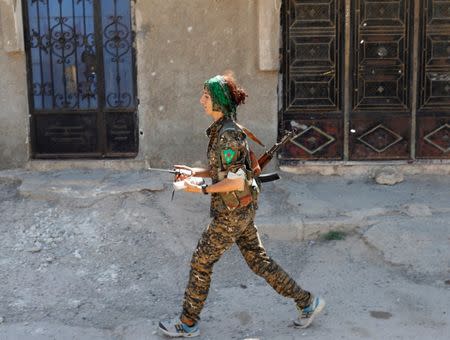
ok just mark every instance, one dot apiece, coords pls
pixel 82 79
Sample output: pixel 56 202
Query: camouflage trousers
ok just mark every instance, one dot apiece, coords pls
pixel 223 231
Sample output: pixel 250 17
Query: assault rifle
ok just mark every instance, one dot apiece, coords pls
pixel 262 161
pixel 177 172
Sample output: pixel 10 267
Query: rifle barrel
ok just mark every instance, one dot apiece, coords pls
pixel 163 170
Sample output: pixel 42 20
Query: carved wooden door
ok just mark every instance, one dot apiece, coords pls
pixel 380 111
pixel 312 72
pixel 366 79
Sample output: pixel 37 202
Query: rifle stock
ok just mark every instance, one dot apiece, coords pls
pixel 268 155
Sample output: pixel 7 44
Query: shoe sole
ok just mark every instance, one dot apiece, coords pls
pixel 316 312
pixel 178 335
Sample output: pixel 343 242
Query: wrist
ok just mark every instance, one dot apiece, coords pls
pixel 204 189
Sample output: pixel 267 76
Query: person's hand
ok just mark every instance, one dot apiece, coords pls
pixel 257 170
pixel 254 163
pixel 182 177
pixel 189 187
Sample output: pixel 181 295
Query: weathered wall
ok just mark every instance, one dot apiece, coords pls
pixel 180 45
pixel 13 99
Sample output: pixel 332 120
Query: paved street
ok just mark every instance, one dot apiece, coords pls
pixel 102 254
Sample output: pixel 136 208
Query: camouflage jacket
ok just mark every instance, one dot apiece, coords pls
pixel 227 152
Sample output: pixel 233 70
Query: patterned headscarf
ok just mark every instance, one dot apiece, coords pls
pixel 220 96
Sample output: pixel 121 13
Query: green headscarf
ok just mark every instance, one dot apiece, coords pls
pixel 220 96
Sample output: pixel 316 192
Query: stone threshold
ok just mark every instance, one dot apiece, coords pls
pixel 88 164
pixel 371 169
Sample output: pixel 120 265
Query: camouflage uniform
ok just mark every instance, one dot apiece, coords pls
pixel 228 151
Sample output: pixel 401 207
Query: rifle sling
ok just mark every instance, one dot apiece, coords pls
pixel 250 135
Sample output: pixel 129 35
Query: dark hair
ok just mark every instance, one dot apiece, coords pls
pixel 237 93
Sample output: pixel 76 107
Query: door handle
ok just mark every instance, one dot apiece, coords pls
pixel 89 59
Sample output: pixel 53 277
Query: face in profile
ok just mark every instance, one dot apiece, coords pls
pixel 206 102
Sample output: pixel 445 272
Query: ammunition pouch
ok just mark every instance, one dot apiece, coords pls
pixel 240 199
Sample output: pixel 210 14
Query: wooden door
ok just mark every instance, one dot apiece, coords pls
pixel 365 79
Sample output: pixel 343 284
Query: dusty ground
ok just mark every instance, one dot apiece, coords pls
pixel 96 254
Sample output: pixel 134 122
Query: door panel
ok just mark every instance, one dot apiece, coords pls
pixel 385 137
pixel 59 37
pixel 121 132
pixel 433 136
pixel 380 116
pixel 117 54
pixel 433 108
pixel 312 91
pixel 66 133
pixel 321 139
pixel 312 78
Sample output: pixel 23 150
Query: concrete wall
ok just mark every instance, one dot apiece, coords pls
pixel 180 45
pixel 13 98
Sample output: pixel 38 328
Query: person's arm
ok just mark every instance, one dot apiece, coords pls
pixel 225 185
pixel 201 172
pixel 233 152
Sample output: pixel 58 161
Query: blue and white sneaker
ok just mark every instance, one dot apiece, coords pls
pixel 307 314
pixel 177 329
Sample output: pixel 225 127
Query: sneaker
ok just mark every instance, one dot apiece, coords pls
pixel 307 314
pixel 177 329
